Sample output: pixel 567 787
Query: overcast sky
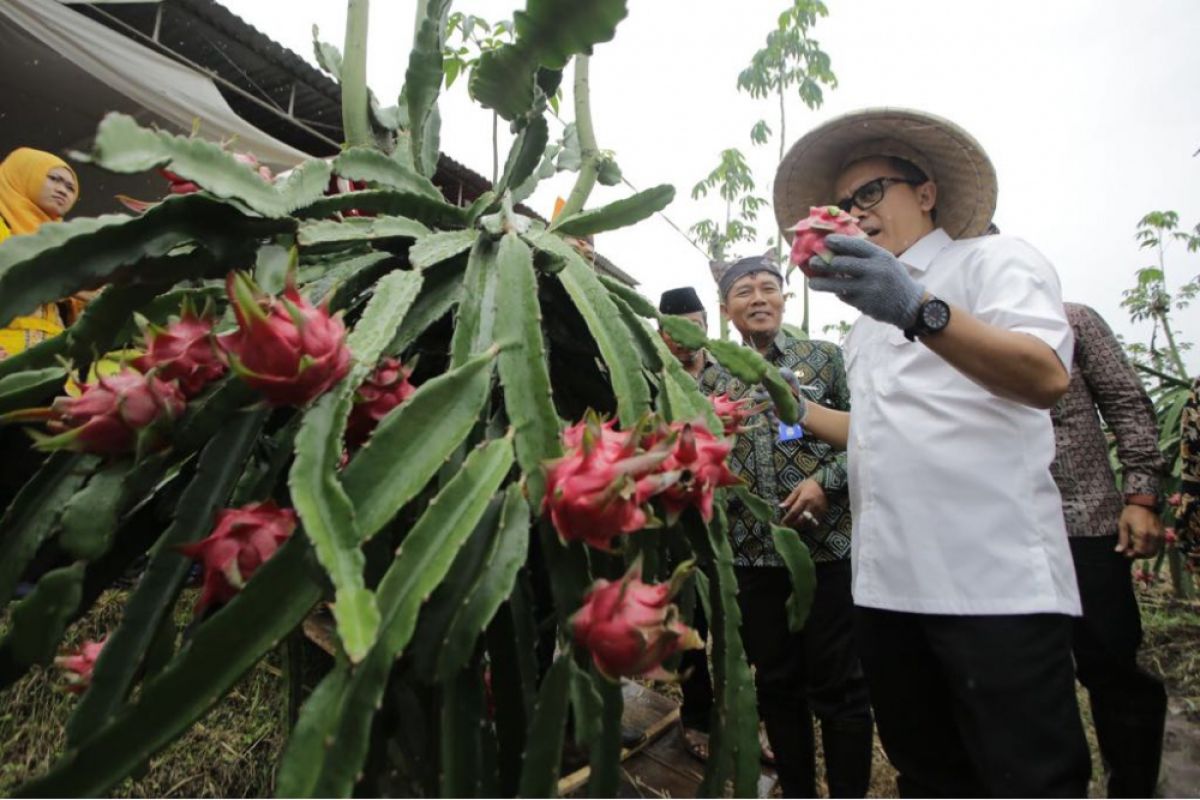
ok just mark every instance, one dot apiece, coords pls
pixel 1088 108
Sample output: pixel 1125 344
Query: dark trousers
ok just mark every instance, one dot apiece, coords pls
pixel 1129 705
pixel 814 672
pixel 976 706
pixel 696 711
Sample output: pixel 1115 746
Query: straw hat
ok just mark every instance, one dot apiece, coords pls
pixel 965 177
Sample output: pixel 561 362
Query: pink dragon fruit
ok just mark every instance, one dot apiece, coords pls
pixel 239 544
pixel 77 665
pixel 1170 537
pixel 733 413
pixel 1145 577
pixel 184 351
pixel 811 231
pixel 1175 500
pixel 339 185
pixel 698 460
pixel 113 416
pixel 598 490
pixel 386 388
pixel 631 627
pixel 287 349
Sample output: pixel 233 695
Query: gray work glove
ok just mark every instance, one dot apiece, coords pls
pixel 869 278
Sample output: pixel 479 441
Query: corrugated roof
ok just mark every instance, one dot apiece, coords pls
pixel 266 83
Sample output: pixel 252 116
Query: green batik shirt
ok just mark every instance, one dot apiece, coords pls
pixel 772 468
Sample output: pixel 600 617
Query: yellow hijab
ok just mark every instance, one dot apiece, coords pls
pixel 22 175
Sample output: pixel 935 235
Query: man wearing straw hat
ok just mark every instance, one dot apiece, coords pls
pixel 963 582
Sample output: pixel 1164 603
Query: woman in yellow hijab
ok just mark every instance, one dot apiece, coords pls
pixel 35 187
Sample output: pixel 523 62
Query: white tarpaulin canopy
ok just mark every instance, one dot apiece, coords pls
pixel 60 72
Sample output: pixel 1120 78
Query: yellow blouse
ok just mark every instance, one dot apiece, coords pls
pixel 35 328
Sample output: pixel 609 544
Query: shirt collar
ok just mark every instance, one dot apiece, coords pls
pixel 922 253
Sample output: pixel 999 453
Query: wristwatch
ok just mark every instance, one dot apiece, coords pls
pixel 932 316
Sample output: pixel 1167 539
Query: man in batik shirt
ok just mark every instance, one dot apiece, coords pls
pixel 817 670
pixel 1108 527
pixel 1187 511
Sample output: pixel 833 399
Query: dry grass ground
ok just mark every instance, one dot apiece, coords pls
pixel 233 750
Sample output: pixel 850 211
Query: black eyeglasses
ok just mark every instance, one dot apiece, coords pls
pixel 870 194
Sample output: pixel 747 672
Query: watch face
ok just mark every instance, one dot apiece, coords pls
pixel 935 315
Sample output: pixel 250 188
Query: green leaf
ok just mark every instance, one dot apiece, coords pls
pixel 434 248
pixel 608 173
pixel 412 442
pixel 556 30
pixel 302 759
pixel 90 517
pixel 318 495
pixel 754 504
pixel 440 292
pixel 742 362
pixel 38 621
pixel 34 513
pixel 543 750
pixel 605 761
pixel 423 79
pixel 123 146
pixel 276 599
pixel 503 80
pixel 475 328
pixel 58 260
pixel 604 321
pixel 523 370
pixel 329 57
pixel 463 709
pixel 369 164
pixel 25 389
pixel 802 571
pixel 525 155
pixel 733 743
pixel 495 583
pixel 151 602
pixel 434 213
pixel 421 563
pixel 545 170
pixel 618 214
pixel 359 229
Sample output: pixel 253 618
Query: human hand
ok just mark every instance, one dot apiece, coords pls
pixel 806 502
pixel 869 278
pixel 1139 532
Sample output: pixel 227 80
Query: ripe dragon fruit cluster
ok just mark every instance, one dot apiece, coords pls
pixel 285 348
pixel 811 231
pixel 601 488
pixel 604 487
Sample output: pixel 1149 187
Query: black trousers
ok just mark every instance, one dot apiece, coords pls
pixel 814 672
pixel 1129 705
pixel 976 706
pixel 698 700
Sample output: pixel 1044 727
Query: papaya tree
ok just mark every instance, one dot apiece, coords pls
pixel 436 423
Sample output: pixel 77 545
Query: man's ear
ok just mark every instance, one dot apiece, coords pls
pixel 927 195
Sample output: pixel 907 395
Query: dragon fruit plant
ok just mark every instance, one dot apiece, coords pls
pixel 395 410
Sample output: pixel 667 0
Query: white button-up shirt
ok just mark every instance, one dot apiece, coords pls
pixel 955 511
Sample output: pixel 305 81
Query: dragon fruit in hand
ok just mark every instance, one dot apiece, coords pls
pixel 811 231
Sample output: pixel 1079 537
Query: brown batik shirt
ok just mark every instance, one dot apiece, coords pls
pixel 772 468
pixel 1103 381
pixel 1187 520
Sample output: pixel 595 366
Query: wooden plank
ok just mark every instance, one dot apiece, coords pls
pixel 646 711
